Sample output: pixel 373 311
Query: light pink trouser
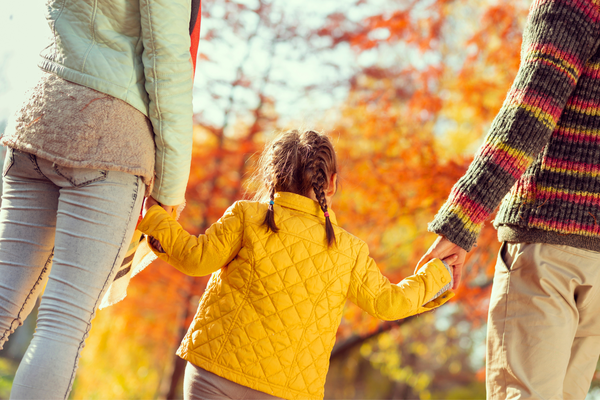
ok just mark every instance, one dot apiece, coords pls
pixel 85 218
pixel 543 339
pixel 199 384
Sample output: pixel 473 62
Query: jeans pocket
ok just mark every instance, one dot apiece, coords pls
pixel 79 177
pixel 9 160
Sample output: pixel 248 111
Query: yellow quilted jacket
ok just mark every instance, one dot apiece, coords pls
pixel 269 316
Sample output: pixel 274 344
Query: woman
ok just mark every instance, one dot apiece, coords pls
pixel 109 123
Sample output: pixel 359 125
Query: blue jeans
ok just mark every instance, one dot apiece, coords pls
pixel 66 229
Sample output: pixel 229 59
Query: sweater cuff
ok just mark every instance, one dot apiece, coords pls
pixel 452 228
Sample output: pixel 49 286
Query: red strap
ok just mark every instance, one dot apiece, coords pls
pixel 195 36
pixel 140 218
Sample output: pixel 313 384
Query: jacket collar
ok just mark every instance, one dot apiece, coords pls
pixel 302 203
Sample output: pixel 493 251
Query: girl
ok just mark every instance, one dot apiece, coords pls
pixel 267 322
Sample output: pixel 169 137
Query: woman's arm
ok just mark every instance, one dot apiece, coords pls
pixel 195 255
pixel 169 73
pixel 374 293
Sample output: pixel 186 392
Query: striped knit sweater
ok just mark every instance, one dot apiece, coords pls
pixel 542 153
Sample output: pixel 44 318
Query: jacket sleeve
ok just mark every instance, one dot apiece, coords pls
pixel 559 37
pixel 169 73
pixel 196 255
pixel 374 293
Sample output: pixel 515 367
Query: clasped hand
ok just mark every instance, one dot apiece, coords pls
pixel 150 201
pixel 450 253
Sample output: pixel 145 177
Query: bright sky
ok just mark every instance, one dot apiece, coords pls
pixel 23 30
pixel 25 33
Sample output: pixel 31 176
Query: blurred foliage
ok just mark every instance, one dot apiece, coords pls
pixel 423 359
pixel 406 89
pixel 7 373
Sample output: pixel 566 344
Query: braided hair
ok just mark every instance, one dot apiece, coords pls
pixel 299 162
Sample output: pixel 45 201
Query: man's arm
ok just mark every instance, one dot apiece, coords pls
pixel 554 51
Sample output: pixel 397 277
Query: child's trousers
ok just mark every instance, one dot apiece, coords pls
pixel 544 327
pixel 199 384
pixel 86 217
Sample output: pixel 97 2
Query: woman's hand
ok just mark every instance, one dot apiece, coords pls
pixel 447 251
pixel 150 201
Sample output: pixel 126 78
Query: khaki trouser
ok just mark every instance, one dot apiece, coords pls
pixel 544 322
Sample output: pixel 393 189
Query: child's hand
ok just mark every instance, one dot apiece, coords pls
pixel 155 244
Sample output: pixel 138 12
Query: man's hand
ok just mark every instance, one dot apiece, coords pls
pixel 150 201
pixel 447 251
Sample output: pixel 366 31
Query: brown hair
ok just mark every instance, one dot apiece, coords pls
pixel 298 162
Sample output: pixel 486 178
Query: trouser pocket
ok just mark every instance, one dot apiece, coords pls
pixel 507 256
pixel 79 177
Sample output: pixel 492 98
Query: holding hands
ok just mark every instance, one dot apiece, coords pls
pixel 150 201
pixel 450 253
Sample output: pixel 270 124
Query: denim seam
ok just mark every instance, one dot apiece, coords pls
pixel 40 278
pixel 11 162
pixel 103 174
pixel 36 167
pixel 89 324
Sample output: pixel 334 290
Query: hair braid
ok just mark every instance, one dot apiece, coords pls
pixel 299 162
pixel 269 220
pixel 319 182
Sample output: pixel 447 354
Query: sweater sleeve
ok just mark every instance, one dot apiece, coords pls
pixel 196 255
pixel 559 37
pixel 168 72
pixel 375 294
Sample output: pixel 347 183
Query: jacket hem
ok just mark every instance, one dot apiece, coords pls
pixel 141 172
pixel 517 234
pixel 95 83
pixel 240 378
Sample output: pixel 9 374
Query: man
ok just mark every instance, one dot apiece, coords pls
pixel 541 159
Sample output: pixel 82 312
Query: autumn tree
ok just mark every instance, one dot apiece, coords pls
pixel 407 89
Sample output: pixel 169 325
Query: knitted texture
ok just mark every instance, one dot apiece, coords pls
pixel 78 127
pixel 542 153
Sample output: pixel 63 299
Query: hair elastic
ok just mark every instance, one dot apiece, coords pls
pixel 326 213
pixel 271 202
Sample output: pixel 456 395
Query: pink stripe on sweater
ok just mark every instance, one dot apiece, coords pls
pixel 592 71
pixel 584 104
pixel 550 49
pixel 567 226
pixel 534 99
pixel 592 199
pixel 571 166
pixel 515 166
pixel 576 136
pixel 586 6
pixel 474 210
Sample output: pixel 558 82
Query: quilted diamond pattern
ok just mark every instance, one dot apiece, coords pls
pixel 269 315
